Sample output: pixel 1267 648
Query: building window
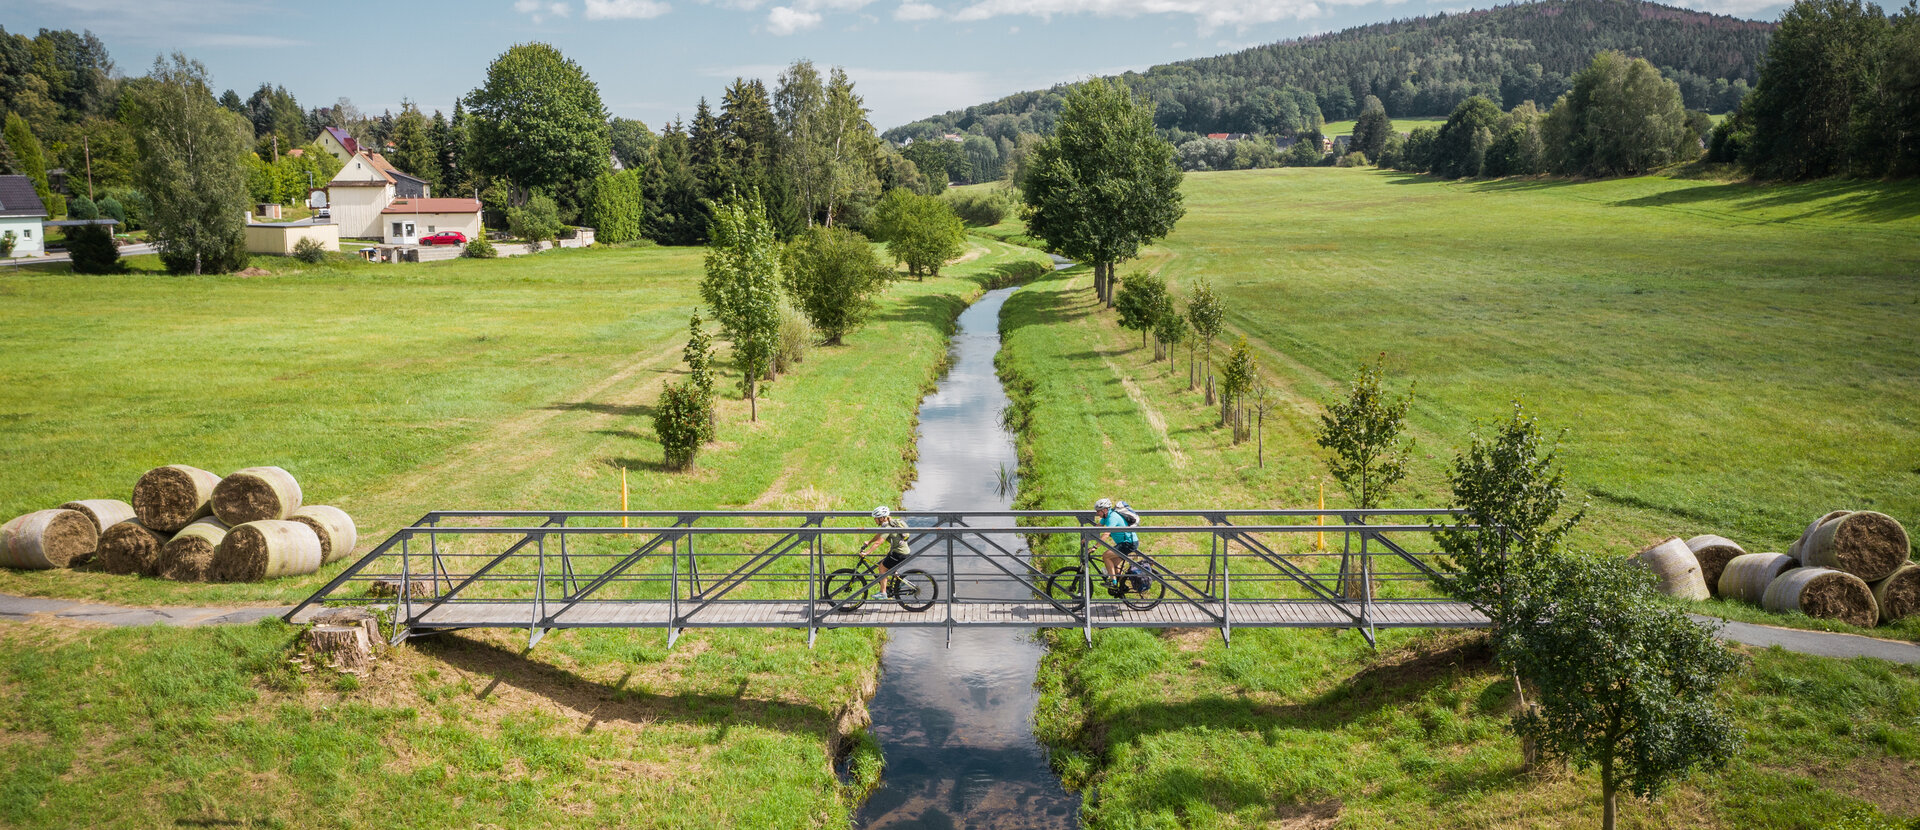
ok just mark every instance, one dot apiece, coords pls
pixel 429 229
pixel 396 230
pixel 26 233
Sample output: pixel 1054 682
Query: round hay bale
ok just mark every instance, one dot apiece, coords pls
pixel 188 556
pixel 171 497
pixel 1898 595
pixel 1796 550
pixel 1866 544
pixel 1713 553
pixel 267 549
pixel 1672 561
pixel 254 494
pixel 1823 593
pixel 131 548
pixel 1747 576
pixel 104 513
pixel 338 536
pixel 46 539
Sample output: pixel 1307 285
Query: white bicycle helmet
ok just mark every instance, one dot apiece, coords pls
pixel 881 512
pixel 1103 504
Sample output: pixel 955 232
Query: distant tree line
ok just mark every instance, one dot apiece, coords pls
pixel 1420 67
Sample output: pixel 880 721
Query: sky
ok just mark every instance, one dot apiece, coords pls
pixel 655 59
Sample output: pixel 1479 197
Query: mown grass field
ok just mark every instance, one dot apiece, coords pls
pixel 513 384
pixel 1686 335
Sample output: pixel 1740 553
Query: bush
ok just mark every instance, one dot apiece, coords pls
pixel 135 204
pixel 796 336
pixel 480 248
pixel 112 209
pixel 309 251
pixel 980 209
pixel 1353 159
pixel 92 250
pixel 833 273
pixel 536 221
pixel 81 207
pixel 680 419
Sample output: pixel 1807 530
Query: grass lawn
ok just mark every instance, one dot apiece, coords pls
pixel 518 383
pixel 1403 125
pixel 1682 330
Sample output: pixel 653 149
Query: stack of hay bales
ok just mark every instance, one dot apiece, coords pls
pixel 1847 565
pixel 190 525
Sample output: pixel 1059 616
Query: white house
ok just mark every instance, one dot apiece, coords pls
pixel 363 188
pixel 337 142
pixel 406 220
pixel 21 215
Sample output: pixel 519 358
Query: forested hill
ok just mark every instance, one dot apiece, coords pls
pixel 1422 66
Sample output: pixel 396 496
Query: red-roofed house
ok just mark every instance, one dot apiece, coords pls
pixel 336 141
pixel 406 220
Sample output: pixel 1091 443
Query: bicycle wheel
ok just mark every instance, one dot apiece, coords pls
pixel 1144 600
pixel 915 590
pixel 1064 588
pixel 844 589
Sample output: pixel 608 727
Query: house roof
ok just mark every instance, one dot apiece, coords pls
pixel 17 197
pixel 345 140
pixel 436 205
pixel 374 174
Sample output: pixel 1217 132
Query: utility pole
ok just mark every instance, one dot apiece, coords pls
pixel 276 148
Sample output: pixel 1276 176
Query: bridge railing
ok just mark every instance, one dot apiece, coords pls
pixel 546 570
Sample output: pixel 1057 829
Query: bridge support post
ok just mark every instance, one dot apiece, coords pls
pixel 1086 586
pixel 403 606
pixel 1226 592
pixel 813 588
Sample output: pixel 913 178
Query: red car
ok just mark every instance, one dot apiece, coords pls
pixel 445 238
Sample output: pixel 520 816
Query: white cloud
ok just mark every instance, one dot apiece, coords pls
pixel 247 41
pixel 540 10
pixel 782 20
pixel 911 11
pixel 625 9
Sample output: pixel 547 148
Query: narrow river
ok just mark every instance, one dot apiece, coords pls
pixel 955 724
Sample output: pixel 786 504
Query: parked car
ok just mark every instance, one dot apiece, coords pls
pixel 322 213
pixel 445 238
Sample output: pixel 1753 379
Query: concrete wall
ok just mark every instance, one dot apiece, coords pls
pixel 428 223
pixel 29 237
pixel 280 239
pixel 357 209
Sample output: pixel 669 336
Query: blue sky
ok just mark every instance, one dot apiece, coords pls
pixel 654 59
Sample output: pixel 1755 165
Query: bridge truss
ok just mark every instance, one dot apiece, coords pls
pixel 675 570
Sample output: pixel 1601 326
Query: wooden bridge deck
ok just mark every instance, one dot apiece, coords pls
pixel 1028 614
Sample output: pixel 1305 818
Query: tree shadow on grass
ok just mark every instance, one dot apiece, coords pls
pixel 616 703
pixel 937 311
pixel 625 410
pixel 637 464
pixel 1832 198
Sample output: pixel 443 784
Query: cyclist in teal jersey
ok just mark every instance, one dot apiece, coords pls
pixel 1123 542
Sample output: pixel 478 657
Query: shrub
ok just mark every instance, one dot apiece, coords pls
pixel 112 209
pixel 81 207
pixel 680 419
pixel 980 209
pixel 833 273
pixel 796 336
pixel 480 248
pixel 536 221
pixel 309 251
pixel 1353 159
pixel 7 241
pixel 92 250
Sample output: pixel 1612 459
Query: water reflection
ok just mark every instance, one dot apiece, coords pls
pixel 955 723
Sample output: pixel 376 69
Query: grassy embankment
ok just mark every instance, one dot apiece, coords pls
pixel 393 390
pixel 1730 359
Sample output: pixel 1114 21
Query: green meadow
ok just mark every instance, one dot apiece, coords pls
pixel 1724 358
pixel 512 384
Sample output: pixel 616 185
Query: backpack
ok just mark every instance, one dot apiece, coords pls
pixel 1139 579
pixel 1127 513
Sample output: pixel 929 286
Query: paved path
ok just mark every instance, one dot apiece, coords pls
pixel 1820 643
pixel 20 609
pixel 125 251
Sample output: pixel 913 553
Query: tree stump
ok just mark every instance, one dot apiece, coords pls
pixel 350 616
pixel 417 589
pixel 345 646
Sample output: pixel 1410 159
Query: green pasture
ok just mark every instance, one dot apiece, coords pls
pixel 1313 727
pixel 1403 125
pixel 520 383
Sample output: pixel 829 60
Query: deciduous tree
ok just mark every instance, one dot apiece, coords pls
pixel 616 207
pixel 1619 119
pixel 1205 313
pixel 1365 432
pixel 1371 132
pixel 833 273
pixel 1142 296
pixel 190 169
pixel 921 231
pixel 742 286
pixel 538 123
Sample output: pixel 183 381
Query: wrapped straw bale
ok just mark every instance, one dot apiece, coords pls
pixel 267 549
pixel 1866 544
pixel 256 493
pixel 1898 595
pixel 1672 561
pixel 131 548
pixel 169 498
pixel 188 556
pixel 1796 550
pixel 1823 593
pixel 47 539
pixel 1713 553
pixel 338 536
pixel 104 513
pixel 1747 576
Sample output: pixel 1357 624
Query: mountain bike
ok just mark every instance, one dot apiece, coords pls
pixel 847 588
pixel 1065 584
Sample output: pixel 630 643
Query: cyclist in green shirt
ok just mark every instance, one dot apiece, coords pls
pixel 1123 542
pixel 896 548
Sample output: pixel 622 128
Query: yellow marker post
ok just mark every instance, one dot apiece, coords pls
pixel 1320 539
pixel 623 495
